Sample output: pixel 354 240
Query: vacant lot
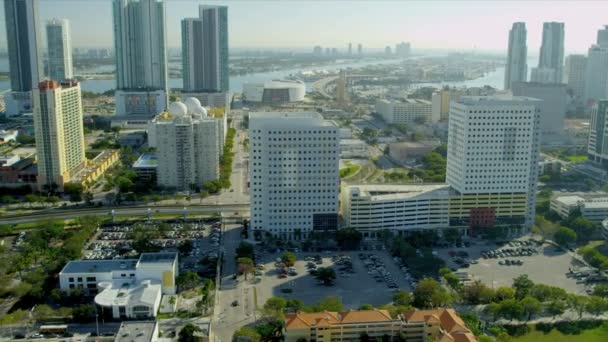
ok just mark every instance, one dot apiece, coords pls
pixel 594 335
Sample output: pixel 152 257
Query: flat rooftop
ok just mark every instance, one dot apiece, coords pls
pixel 395 191
pixel 496 99
pixel 135 332
pixel 146 160
pixel 276 118
pixel 158 257
pixel 99 266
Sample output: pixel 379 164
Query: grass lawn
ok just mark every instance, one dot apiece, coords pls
pixel 576 159
pixel 349 171
pixel 599 334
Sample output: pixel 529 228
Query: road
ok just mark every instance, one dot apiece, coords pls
pixel 56 214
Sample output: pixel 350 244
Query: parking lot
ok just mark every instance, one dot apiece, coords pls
pixel 367 281
pixel 498 265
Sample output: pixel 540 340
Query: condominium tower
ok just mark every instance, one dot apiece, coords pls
pixel 205 50
pixel 574 74
pixel 141 57
pixel 187 146
pixel 59 132
pixel 293 173
pixel 596 74
pixel 59 44
pixel 516 69
pixel 24 53
pixel 493 150
pixel 602 37
pixel 597 147
pixel 552 49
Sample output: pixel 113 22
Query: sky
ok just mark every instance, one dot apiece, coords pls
pixel 428 24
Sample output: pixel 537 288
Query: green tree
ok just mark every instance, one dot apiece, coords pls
pixel 245 250
pixel 596 305
pixel 326 275
pixel 564 236
pixel 84 313
pixel 246 334
pixel 187 280
pixel 556 308
pixel 289 259
pixel 522 286
pixel 531 306
pixel 584 228
pixel 511 309
pixel 274 307
pixel 503 293
pixel 74 191
pixel 186 334
pixel 430 294
pixel 402 298
pixel 245 266
pixel 578 304
pixel 43 312
pixel 329 303
pixel 601 290
pixel 294 305
pixel 477 293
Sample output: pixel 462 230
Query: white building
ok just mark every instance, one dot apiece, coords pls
pixel 213 100
pixel 353 148
pixel 274 92
pixel 596 75
pixel 59 44
pixel 8 136
pixel 187 145
pixel 293 173
pixel 593 206
pixel 399 208
pixel 24 53
pixel 574 75
pixel 141 57
pixel 493 149
pixel 408 111
pixel 138 331
pixel 139 105
pixel 516 69
pixel 552 108
pixel 130 288
pixel 59 132
pixel 552 50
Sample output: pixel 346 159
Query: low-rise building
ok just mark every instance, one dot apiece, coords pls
pixel 401 152
pixel 130 288
pixel 593 206
pixel 274 92
pixel 442 325
pixel 96 167
pixel 408 111
pixel 8 136
pixel 137 331
pixel 16 171
pixel 353 148
pixel 399 208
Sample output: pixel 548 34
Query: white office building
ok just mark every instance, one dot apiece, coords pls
pixel 130 288
pixel 141 58
pixel 597 146
pixel 493 148
pixel 399 208
pixel 408 111
pixel 593 206
pixel 24 54
pixel 516 69
pixel 293 173
pixel 552 50
pixel 59 44
pixel 596 75
pixel 187 146
pixel 552 107
pixel 574 75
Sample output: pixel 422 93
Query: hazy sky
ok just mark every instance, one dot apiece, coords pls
pixel 480 24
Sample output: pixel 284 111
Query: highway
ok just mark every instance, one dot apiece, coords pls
pixel 58 214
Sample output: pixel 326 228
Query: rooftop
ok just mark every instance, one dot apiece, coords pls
pixel 99 266
pixel 136 332
pixel 327 318
pixel 122 293
pixel 496 99
pixel 146 160
pixel 409 191
pixel 158 257
pixel 569 199
pixel 449 320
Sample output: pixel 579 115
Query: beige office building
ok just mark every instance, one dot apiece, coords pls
pixel 59 132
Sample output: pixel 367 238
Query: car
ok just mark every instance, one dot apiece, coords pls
pixel 282 275
pixel 235 303
pixel 36 335
pixel 21 336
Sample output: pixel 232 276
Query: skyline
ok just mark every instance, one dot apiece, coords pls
pixel 427 25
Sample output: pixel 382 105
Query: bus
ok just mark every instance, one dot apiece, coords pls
pixel 59 329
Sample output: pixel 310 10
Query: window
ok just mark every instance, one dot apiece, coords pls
pixel 71 280
pixel 91 279
pixel 80 279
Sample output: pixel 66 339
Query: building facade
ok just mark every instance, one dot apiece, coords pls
pixel 597 147
pixel 493 150
pixel 398 208
pixel 205 51
pixel 293 173
pixel 576 66
pixel 187 146
pixel 59 132
pixel 552 108
pixel 596 75
pixel 274 92
pixel 59 43
pixel 543 75
pixel 24 53
pixel 408 111
pixel 516 69
pixel 552 49
pixel 141 56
